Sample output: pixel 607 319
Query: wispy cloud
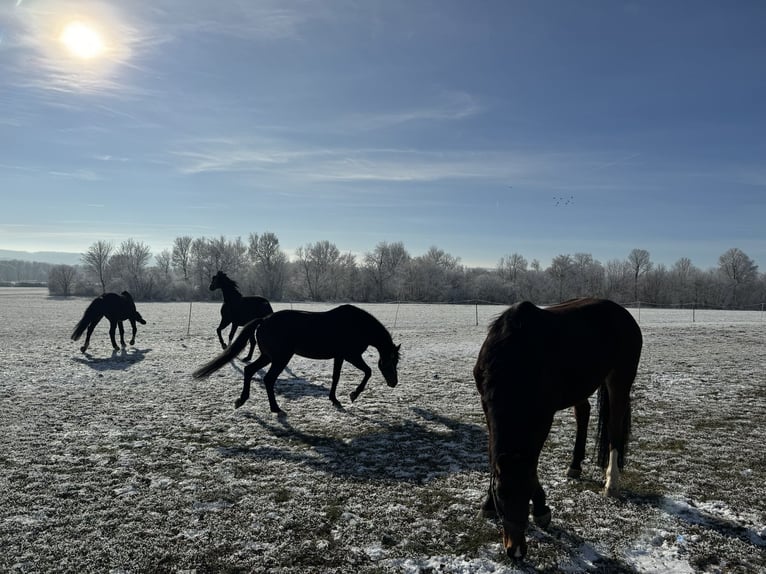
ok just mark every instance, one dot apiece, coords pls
pixel 265 19
pixel 451 106
pixel 281 160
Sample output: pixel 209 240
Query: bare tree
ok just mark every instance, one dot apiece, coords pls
pixel 61 280
pixel 129 262
pixel 385 265
pixel 164 262
pixel 511 266
pixel 560 270
pixel 738 269
pixel 181 256
pixel 317 261
pixel 270 264
pixel 640 263
pixel 96 260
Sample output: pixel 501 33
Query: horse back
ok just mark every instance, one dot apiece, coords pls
pixel 563 349
pixel 339 332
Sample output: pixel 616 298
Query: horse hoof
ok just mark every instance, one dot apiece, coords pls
pixel 543 520
pixel 238 403
pixel 574 472
pixel 611 492
pixel 354 396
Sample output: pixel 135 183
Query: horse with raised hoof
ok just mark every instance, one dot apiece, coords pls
pixel 341 334
pixel 116 308
pixel 237 310
pixel 535 362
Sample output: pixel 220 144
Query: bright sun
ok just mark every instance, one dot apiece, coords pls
pixel 82 40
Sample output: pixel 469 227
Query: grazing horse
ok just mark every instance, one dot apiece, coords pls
pixel 236 309
pixel 116 308
pixel 535 362
pixel 341 334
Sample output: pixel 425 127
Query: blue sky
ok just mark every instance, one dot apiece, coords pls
pixel 483 128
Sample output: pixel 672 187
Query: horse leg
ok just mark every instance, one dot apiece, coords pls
pixel 112 329
pixel 250 371
pixel 133 334
pixel 359 363
pixel 252 348
pixel 541 512
pixel 220 328
pixel 618 427
pixel 122 333
pixel 336 367
pixel 271 378
pixel 232 331
pixel 582 414
pixel 88 334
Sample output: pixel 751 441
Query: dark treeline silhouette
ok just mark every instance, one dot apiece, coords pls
pixel 321 272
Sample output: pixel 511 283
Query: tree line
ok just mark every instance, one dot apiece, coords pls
pixel 321 272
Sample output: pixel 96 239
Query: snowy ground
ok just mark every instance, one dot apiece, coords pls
pixel 123 463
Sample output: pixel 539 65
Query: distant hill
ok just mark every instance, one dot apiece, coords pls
pixel 54 257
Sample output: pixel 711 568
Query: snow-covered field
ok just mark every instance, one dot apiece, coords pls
pixel 123 463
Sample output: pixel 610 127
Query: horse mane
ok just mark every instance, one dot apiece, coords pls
pixel 382 333
pixel 227 281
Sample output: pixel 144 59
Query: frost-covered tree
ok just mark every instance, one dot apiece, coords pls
pixel 181 256
pixel 96 260
pixel 317 262
pixel 739 270
pixel 640 264
pixel 269 265
pixel 385 266
pixel 128 265
pixel 561 271
pixel 61 280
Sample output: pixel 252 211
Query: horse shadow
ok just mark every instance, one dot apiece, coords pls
pixel 419 449
pixel 119 360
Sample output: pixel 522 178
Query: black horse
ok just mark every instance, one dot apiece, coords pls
pixel 116 308
pixel 236 309
pixel 535 362
pixel 341 334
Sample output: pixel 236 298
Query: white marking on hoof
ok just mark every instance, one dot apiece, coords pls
pixel 612 474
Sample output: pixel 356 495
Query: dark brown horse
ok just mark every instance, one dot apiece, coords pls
pixel 237 310
pixel 341 334
pixel 116 308
pixel 535 362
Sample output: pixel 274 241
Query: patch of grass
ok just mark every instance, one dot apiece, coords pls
pixel 672 444
pixel 282 495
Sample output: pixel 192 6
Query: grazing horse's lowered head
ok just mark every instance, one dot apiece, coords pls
pixel 387 364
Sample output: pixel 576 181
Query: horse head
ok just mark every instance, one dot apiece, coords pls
pixel 215 282
pixel 512 486
pixel 387 365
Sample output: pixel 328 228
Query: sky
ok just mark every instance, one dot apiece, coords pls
pixel 482 128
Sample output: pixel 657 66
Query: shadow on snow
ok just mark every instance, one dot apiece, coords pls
pixel 406 451
pixel 119 360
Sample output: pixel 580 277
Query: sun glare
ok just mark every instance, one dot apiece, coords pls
pixel 82 40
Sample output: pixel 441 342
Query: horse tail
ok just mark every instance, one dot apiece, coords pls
pixel 230 352
pixel 602 436
pixel 92 313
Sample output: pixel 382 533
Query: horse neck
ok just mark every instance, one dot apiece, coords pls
pixel 230 293
pixel 380 338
